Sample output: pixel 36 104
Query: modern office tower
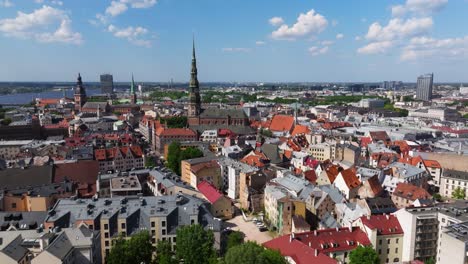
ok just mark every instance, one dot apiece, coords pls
pixel 107 83
pixel 424 87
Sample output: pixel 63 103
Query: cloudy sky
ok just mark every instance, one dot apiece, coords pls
pixel 237 40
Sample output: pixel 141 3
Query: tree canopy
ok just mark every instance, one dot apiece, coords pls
pixel 137 249
pixel 195 245
pixel 164 254
pixel 252 253
pixel 175 155
pixel 363 255
pixel 458 193
pixel 234 239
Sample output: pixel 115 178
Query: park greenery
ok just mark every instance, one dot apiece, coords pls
pixel 137 249
pixel 194 246
pixel 458 193
pixel 175 155
pixel 174 121
pixel 173 95
pixel 363 255
pixel 6 121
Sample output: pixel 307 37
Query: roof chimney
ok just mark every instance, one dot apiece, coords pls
pixel 387 216
pixel 350 227
pixel 316 252
pixel 315 232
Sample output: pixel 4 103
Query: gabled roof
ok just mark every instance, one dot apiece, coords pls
pixel 350 178
pixel 411 192
pixel 300 129
pixel 379 136
pixel 432 164
pixel 209 191
pixel 161 131
pixel 311 176
pixel 385 224
pixel 282 123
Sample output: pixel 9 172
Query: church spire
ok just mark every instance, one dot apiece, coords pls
pixel 132 86
pixel 194 72
pixel 194 108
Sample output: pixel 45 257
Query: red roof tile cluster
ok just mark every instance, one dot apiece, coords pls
pixel 332 172
pixel 111 153
pixel 335 125
pixel 300 129
pixel 385 224
pixel 300 246
pixel 185 132
pixel 254 160
pixel 432 164
pixel 365 141
pixel 375 185
pixel 379 136
pixel 411 192
pixel 282 123
pixel 209 191
pixel 350 178
pixel 47 101
pixel 310 176
pixel 451 130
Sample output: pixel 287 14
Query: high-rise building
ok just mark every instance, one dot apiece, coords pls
pixel 424 87
pixel 107 83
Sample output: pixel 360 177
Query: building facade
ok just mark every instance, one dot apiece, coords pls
pixel 424 87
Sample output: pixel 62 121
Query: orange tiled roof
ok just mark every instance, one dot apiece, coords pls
pixel 282 123
pixel 432 164
pixel 161 131
pixel 350 178
pixel 411 192
pixel 253 160
pixel 300 129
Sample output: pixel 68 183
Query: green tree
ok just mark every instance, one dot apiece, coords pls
pixel 458 193
pixel 164 254
pixel 173 157
pixel 252 253
pixel 363 255
pixel 430 261
pixel 149 161
pixel 6 121
pixel 175 121
pixel 437 197
pixel 234 239
pixel 137 249
pixel 195 245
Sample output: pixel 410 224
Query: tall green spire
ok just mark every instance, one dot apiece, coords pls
pixel 132 86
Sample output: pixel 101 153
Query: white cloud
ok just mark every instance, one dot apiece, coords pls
pixel 236 50
pixel 315 51
pixel 421 7
pixel 139 3
pixel 6 3
pixel 339 36
pixel 426 47
pixel 116 8
pixel 399 28
pixel 37 25
pixel 327 42
pixel 134 35
pixel 307 24
pixel 260 43
pixel 376 47
pixel 56 2
pixel 276 21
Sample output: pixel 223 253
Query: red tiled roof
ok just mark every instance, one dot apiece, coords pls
pixel 375 185
pixel 379 136
pixel 335 125
pixel 310 176
pixel 365 141
pixel 451 130
pixel 282 123
pixel 300 129
pixel 253 160
pixel 432 164
pixel 385 224
pixel 332 172
pixel 111 153
pixel 175 132
pixel 300 253
pixel 411 192
pixel 209 191
pixel 350 178
pixel 288 153
pixel 325 241
pixel 83 171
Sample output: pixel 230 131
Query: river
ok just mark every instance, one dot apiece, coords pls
pixel 25 98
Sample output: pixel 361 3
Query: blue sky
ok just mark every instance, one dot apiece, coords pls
pixel 237 40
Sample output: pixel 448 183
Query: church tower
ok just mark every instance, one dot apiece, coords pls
pixel 133 96
pixel 194 107
pixel 80 94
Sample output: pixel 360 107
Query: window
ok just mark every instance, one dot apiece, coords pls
pixel 106 226
pixel 388 241
pixel 13 205
pixel 380 241
pixel 153 224
pixel 192 222
pixel 396 250
pixel 107 243
pixel 164 232
pixel 123 225
pixel 106 234
pixel 174 239
pixel 388 252
pixel 397 240
pixel 380 251
pixel 163 223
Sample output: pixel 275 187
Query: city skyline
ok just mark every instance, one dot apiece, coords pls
pixel 49 40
